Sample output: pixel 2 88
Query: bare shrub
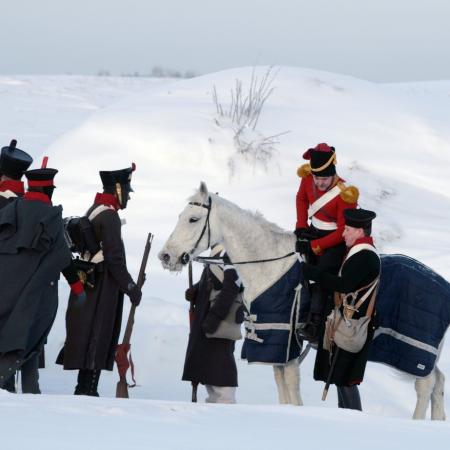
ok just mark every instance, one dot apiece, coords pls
pixel 242 115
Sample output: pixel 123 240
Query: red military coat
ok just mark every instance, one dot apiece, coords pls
pixel 330 217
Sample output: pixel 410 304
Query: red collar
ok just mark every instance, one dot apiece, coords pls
pixel 38 196
pixel 15 186
pixel 364 240
pixel 106 199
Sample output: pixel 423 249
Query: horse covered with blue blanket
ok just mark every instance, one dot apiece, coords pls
pixel 413 304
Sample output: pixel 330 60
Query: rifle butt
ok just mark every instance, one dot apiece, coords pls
pixel 122 389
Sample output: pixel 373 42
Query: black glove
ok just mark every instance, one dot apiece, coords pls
pixel 311 272
pixel 190 294
pixel 302 233
pixel 211 322
pixel 135 294
pixel 303 247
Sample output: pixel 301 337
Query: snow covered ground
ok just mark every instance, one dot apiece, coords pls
pixel 392 142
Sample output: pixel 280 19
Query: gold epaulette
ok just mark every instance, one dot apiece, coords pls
pixel 304 170
pixel 349 194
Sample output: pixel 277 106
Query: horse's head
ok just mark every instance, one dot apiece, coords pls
pixel 193 233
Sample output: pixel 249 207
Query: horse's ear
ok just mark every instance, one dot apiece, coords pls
pixel 203 190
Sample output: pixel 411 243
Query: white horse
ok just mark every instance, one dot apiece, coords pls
pixel 209 219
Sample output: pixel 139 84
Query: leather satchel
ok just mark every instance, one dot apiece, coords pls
pixel 230 327
pixel 347 333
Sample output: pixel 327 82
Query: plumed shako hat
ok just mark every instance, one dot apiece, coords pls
pixel 113 177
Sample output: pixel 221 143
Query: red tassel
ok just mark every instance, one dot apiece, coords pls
pixel 44 162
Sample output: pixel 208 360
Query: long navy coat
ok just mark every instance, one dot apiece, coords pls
pixel 33 252
pixel 211 360
pixel 93 328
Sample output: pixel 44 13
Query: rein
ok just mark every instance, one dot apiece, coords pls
pixel 211 260
pixel 217 260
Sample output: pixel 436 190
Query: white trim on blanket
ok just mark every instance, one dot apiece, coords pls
pixel 406 339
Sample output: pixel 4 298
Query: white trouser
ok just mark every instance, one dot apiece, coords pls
pixel 220 394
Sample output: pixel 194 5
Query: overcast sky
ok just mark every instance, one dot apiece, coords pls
pixel 379 40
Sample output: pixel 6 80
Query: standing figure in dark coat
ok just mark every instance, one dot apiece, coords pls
pixel 93 329
pixel 33 252
pixel 13 164
pixel 210 361
pixel 360 271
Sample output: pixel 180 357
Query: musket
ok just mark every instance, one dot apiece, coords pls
pixel 191 319
pixel 123 363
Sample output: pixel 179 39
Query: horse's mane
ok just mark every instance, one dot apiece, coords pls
pixel 256 215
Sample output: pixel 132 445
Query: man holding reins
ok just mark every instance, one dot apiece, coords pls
pixel 321 201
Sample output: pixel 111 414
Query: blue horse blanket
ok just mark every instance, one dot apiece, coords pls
pixel 412 316
pixel 271 322
pixel 413 313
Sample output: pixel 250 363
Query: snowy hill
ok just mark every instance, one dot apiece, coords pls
pixel 392 142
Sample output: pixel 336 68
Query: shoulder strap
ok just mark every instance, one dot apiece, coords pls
pixel 99 209
pixel 323 200
pixel 7 194
pixel 358 248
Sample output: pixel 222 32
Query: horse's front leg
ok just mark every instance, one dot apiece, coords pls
pixel 292 379
pixel 424 387
pixel 278 372
pixel 437 396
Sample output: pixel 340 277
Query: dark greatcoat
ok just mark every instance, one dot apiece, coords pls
pixel 93 328
pixel 33 252
pixel 211 360
pixel 358 271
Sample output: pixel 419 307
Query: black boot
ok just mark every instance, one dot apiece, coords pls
pixel 10 384
pixel 82 386
pixel 88 382
pixel 349 398
pixel 30 375
pixel 309 330
pixel 93 386
pixel 9 363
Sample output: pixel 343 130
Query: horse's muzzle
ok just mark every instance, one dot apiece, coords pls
pixel 164 257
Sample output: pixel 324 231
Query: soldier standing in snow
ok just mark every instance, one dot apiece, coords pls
pixel 358 276
pixel 93 328
pixel 321 201
pixel 210 361
pixel 13 163
pixel 33 252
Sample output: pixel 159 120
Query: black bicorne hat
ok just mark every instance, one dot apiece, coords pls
pixel 13 161
pixel 322 160
pixel 359 218
pixel 112 177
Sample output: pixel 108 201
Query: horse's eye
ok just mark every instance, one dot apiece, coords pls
pixel 193 219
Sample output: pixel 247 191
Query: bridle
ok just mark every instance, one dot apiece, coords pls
pixel 185 257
